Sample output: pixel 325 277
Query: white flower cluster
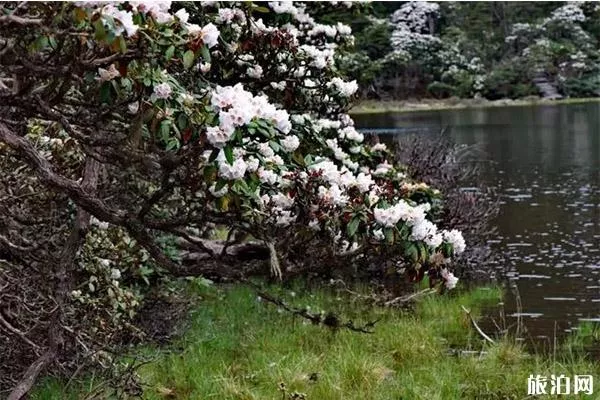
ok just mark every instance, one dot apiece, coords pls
pixel 346 89
pixel 569 13
pixel 338 180
pixel 414 16
pixel 401 211
pixel 157 10
pixel 163 90
pixel 564 23
pixel 237 107
pixel 318 58
pixel 283 7
pixel 455 238
pixel 422 229
pixel 407 43
pixel 450 280
pixel 330 30
pixel 413 28
pixel 229 15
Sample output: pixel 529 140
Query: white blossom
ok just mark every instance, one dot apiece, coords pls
pixel 115 274
pixel 204 67
pixel 218 193
pixel 450 280
pixel 163 90
pixel 217 137
pixel 232 171
pixel 455 238
pixel 182 15
pixel 133 108
pixel 209 35
pixel 346 89
pixel 108 74
pixel 290 143
pixel 254 71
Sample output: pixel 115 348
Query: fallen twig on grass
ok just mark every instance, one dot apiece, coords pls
pixel 409 297
pixel 481 332
pixel 330 319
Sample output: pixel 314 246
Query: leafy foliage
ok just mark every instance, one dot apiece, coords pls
pixel 489 49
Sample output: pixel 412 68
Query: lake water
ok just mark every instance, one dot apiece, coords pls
pixel 544 162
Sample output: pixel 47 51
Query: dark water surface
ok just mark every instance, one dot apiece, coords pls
pixel 545 166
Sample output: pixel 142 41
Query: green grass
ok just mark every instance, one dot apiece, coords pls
pixel 240 348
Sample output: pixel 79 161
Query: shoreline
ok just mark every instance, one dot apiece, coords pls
pixel 387 106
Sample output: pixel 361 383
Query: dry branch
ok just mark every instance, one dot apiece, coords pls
pixel 330 319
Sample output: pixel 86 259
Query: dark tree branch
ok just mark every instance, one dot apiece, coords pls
pixel 22 21
pixel 330 320
pixel 25 385
pixel 43 169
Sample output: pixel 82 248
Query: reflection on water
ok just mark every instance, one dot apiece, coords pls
pixel 545 165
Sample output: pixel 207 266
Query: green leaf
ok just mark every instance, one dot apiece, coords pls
pixel 261 9
pixel 170 52
pixel 99 31
pixel 223 203
pixel 389 235
pixel 274 145
pixel 228 154
pixel 297 156
pixel 242 186
pixel 412 253
pixel 205 53
pixel 353 226
pixel 105 92
pixel 182 121
pixel 210 173
pixel 447 250
pixel 214 155
pixel 52 42
pixel 122 44
pixel 220 184
pixel 172 143
pixel 404 232
pixel 423 255
pixel 188 59
pixel 165 129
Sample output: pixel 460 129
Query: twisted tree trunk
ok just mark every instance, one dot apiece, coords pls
pixel 64 268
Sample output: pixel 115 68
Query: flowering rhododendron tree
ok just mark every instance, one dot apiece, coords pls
pixel 129 129
pixel 559 46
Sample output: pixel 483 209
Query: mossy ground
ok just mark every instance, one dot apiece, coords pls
pixel 238 347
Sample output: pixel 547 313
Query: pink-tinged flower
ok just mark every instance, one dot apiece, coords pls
pixel 232 171
pixel 205 67
pixel 108 74
pixel 290 143
pixel 217 137
pixel 449 279
pixel 182 15
pixel 210 35
pixel 163 90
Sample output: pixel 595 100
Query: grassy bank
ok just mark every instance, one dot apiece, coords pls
pixel 240 348
pixel 373 106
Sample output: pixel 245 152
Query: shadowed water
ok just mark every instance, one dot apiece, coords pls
pixel 545 166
